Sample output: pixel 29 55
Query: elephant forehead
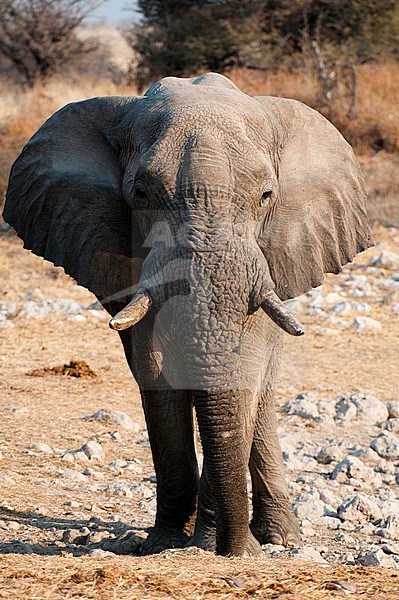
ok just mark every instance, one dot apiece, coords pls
pixel 207 79
pixel 190 105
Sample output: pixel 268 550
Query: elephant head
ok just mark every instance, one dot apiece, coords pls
pixel 193 207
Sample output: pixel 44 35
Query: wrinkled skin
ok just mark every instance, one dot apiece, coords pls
pixel 207 200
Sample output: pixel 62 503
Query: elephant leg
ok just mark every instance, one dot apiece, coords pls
pixel 168 415
pixel 205 526
pixel 273 520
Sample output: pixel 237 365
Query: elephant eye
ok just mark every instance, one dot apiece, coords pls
pixel 265 198
pixel 140 196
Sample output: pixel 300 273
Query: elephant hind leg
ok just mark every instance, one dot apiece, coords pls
pixel 273 520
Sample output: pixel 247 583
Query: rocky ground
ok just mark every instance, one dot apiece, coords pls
pixel 76 478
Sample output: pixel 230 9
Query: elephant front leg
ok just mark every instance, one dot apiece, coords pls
pixel 168 415
pixel 273 520
pixel 205 526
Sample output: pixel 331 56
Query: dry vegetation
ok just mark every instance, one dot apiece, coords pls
pixel 183 577
pixel 370 123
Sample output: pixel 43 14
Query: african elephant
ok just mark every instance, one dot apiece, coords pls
pixel 192 213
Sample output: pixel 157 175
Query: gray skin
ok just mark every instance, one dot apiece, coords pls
pixel 207 199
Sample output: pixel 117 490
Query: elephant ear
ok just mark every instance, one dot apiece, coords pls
pixel 317 222
pixel 64 199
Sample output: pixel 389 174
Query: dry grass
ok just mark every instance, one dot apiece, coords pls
pixel 373 122
pixel 372 126
pixel 184 576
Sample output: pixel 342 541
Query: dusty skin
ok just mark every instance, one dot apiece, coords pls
pixel 38 504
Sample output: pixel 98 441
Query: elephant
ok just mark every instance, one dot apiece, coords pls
pixel 192 213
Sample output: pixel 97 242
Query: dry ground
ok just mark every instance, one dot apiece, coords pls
pixel 36 506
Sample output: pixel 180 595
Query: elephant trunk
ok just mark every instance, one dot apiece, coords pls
pixel 221 430
pixel 213 318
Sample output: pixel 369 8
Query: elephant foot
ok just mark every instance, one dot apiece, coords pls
pixel 163 538
pixel 276 525
pixel 206 540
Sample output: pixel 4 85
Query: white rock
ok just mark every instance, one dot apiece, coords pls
pixel 68 457
pixel 330 522
pixel 95 474
pixel 80 456
pixel 304 405
pixel 311 509
pixel 341 308
pixel 17 410
pixel 367 454
pixel 120 489
pixel 77 318
pixel 389 529
pixel 386 260
pixel 98 553
pixel 334 320
pixel 5 324
pixel 329 454
pixel 116 417
pixel 74 475
pixel 378 558
pixel 273 549
pixel 362 307
pixel 369 408
pixel 391 425
pixel 326 331
pixel 327 496
pixel 72 504
pixel 359 508
pixel 124 421
pixel 144 490
pixel 389 505
pixel 347 559
pixel 41 310
pixel 93 451
pixel 391 548
pixel 307 553
pixel 326 407
pixel 326 300
pixel 346 539
pixel 366 324
pixel 358 405
pixel 8 309
pixel 353 468
pixel 31 310
pixel 386 445
pixel 97 314
pixel 346 410
pixel 36 295
pixel 393 409
pixel 297 305
pixel 41 447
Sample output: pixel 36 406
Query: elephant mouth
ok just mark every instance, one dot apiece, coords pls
pixel 141 303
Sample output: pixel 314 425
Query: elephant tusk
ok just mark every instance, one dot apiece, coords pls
pixel 275 309
pixel 133 312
